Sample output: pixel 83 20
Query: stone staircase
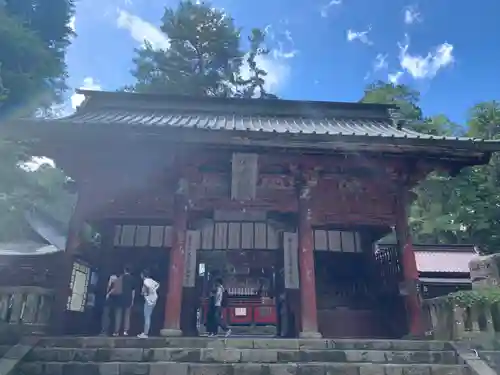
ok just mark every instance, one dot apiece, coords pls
pixel 486 348
pixel 239 356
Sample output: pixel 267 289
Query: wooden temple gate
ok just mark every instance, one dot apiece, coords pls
pixel 174 181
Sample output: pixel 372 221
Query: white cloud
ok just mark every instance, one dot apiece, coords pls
pixel 277 62
pixel 277 66
pixel 395 77
pixel 72 23
pixel 36 162
pixel 88 83
pixel 380 62
pixel 420 67
pixel 326 8
pixel 412 15
pixel 362 36
pixel 141 30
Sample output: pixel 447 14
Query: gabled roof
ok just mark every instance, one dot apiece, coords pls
pixel 263 123
pixel 443 261
pixel 441 258
pixel 50 237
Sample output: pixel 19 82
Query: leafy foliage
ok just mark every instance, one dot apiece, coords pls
pixel 462 209
pixel 32 77
pixel 478 297
pixel 32 54
pixel 204 57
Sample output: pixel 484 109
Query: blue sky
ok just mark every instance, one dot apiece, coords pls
pixel 321 49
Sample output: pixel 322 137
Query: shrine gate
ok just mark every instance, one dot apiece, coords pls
pixel 283 199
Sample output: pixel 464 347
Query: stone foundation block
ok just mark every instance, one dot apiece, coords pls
pixel 109 369
pixel 204 369
pixel 276 344
pixel 54 368
pixel 287 356
pixel 310 369
pixel 259 355
pixel 417 370
pixel 371 369
pixel 239 343
pixel 80 369
pixel 340 369
pixel 126 355
pixel 313 344
pixel 168 369
pixel 220 355
pixel 250 369
pixel 393 370
pixel 373 356
pixel 283 369
pixel 185 355
pixel 134 368
pixel 322 356
pixel 449 370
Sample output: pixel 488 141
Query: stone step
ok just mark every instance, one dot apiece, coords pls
pixel 224 355
pixel 243 343
pixel 4 349
pixel 173 368
pixel 491 357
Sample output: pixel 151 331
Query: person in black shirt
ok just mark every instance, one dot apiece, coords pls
pixel 126 301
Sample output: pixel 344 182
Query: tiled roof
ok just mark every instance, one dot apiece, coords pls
pixel 444 261
pixel 224 121
pixel 279 124
pixel 26 248
pixel 315 125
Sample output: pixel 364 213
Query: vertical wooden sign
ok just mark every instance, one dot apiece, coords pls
pixel 291 260
pixel 244 176
pixel 192 245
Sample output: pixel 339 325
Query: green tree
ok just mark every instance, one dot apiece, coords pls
pixel 401 95
pixel 204 57
pixel 254 85
pixel 438 214
pixel 33 39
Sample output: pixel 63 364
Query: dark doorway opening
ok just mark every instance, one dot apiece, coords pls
pixel 156 260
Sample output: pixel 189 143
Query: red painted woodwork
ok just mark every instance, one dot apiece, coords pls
pixel 413 299
pixel 306 265
pixel 410 273
pixel 173 303
pixel 350 191
pixel 254 314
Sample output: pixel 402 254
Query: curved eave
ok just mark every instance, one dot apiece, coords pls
pixel 65 132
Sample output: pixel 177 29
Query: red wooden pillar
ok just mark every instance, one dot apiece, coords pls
pixel 173 302
pixel 308 312
pixel 410 271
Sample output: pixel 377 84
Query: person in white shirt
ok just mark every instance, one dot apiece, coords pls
pixel 149 291
pixel 220 303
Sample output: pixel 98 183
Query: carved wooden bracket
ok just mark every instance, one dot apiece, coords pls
pixel 304 176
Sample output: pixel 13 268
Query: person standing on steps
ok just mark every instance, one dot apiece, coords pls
pixel 126 300
pixel 149 291
pixel 221 301
pixel 110 303
pixel 211 323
